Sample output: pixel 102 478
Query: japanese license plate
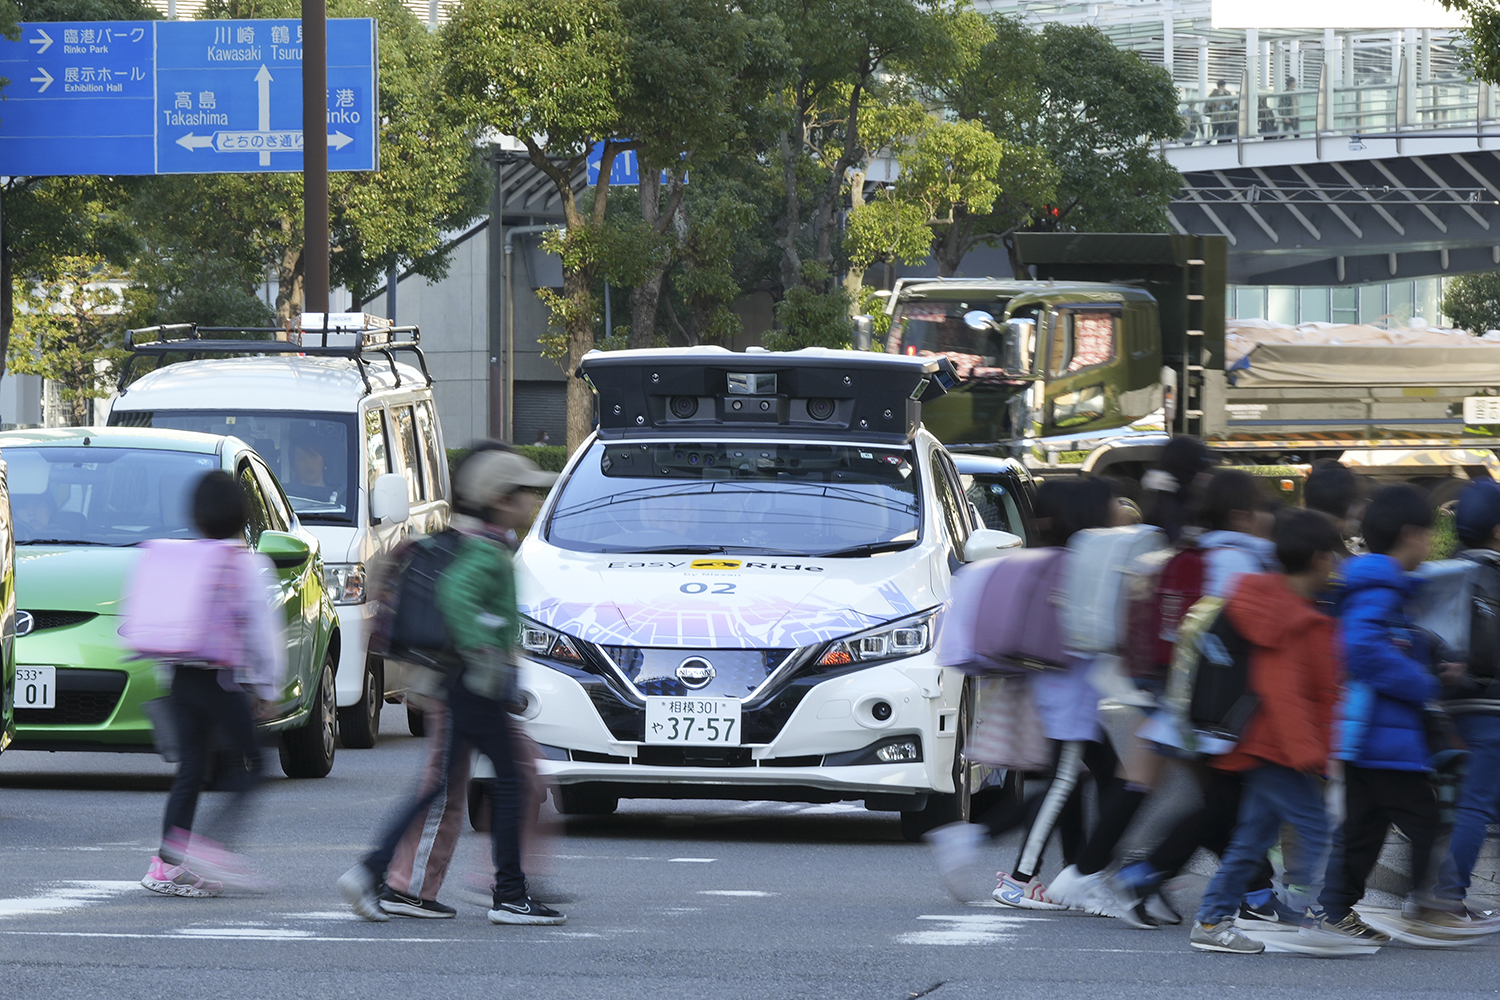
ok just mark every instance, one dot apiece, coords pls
pixel 1482 409
pixel 696 721
pixel 36 687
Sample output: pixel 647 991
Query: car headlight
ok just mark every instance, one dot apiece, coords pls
pixel 550 644
pixel 345 582
pixel 890 641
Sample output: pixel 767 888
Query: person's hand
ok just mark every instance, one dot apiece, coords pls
pixel 1452 673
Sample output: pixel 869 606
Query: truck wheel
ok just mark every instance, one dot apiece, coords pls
pixel 307 752
pixel 359 724
pixel 953 807
pixel 585 800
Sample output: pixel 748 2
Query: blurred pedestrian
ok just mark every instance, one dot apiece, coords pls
pixel 477 599
pixel 1285 745
pixel 1334 490
pixel 1382 729
pixel 203 608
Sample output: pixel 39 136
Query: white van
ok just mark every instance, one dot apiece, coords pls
pixel 351 433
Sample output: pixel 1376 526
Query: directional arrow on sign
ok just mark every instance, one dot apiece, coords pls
pixel 263 92
pixel 191 141
pixel 45 79
pixel 43 39
pixel 339 140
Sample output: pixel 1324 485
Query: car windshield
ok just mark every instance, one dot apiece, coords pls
pixel 789 499
pixel 992 351
pixel 101 495
pixel 310 453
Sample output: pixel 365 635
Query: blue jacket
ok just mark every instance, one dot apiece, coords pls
pixel 1389 681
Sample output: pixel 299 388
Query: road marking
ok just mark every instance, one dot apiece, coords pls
pixel 733 892
pixel 70 895
pixel 244 933
pixel 694 861
pixel 966 929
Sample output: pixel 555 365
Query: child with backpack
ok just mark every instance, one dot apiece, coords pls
pixel 1472 697
pixel 1382 732
pixel 203 609
pixel 476 597
pixel 1285 744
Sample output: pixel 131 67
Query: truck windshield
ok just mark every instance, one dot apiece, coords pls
pixel 102 496
pixel 994 353
pixel 310 453
pixel 705 497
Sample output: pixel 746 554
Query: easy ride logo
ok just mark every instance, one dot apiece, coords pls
pixel 715 564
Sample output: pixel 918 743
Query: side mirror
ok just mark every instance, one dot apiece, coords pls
pixel 286 551
pixel 864 332
pixel 987 543
pixel 978 319
pixel 390 500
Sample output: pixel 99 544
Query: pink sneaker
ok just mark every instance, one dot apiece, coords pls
pixel 220 864
pixel 1024 895
pixel 176 880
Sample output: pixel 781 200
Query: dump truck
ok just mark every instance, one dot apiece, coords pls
pixel 1113 342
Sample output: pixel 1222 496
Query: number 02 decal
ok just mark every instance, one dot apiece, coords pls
pixel 703 588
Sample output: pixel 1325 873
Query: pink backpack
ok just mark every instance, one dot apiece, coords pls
pixel 1003 618
pixel 174 606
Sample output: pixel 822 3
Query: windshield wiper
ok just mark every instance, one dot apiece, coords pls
pixel 60 541
pixel 685 550
pixel 868 549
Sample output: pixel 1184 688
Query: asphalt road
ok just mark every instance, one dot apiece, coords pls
pixel 696 900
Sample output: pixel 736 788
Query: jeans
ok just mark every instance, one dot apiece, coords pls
pixel 476 724
pixel 1271 795
pixel 1374 798
pixel 209 718
pixel 1478 801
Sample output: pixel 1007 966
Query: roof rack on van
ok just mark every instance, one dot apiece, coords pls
pixel 329 335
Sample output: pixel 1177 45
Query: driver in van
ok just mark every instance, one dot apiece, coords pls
pixel 33 513
pixel 308 472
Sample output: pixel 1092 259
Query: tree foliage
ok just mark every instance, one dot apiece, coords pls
pixel 1472 301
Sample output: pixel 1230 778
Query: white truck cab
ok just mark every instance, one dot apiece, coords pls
pixel 351 434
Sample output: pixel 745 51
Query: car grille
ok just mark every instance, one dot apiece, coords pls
pixel 59 619
pixel 84 698
pixel 737 671
pixel 660 756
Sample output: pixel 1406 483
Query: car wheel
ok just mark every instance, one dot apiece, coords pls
pixel 359 724
pixel 954 807
pixel 585 800
pixel 416 721
pixel 307 752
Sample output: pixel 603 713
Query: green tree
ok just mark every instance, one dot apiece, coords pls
pixel 1472 301
pixel 69 329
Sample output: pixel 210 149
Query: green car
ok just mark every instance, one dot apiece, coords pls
pixel 82 499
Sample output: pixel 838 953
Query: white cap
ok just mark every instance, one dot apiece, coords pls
pixel 487 476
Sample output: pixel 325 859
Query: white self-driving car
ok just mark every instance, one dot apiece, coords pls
pixel 734 588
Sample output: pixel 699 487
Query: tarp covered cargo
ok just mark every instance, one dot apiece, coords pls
pixel 1289 365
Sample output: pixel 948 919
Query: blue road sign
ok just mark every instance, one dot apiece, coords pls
pixel 178 97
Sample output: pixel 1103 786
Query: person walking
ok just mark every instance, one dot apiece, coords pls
pixel 476 596
pixel 203 608
pixel 1285 745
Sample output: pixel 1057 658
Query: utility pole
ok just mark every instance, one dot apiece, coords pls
pixel 314 156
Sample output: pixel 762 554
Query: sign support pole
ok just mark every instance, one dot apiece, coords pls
pixel 314 156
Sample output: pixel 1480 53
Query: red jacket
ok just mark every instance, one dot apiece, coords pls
pixel 1294 669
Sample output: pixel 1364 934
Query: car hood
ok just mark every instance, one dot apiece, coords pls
pixel 722 602
pixel 72 577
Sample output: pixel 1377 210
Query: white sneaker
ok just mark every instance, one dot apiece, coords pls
pixel 955 849
pixel 1162 911
pixel 1078 891
pixel 1024 895
pixel 1123 906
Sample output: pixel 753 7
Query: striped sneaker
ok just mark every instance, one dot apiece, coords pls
pixel 1024 895
pixel 177 880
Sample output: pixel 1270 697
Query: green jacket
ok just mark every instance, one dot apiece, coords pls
pixel 477 597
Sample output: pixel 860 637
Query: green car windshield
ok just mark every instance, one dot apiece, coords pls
pixel 102 496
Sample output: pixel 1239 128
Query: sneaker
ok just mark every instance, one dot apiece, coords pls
pixel 399 904
pixel 1222 936
pixel 359 888
pixel 1272 911
pixel 1078 891
pixel 1162 911
pixel 525 911
pixel 1124 906
pixel 1320 927
pixel 1024 895
pixel 177 880
pixel 955 849
pixel 223 865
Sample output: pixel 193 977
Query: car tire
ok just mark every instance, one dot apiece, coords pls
pixel 307 751
pixel 945 808
pixel 359 724
pixel 416 721
pixel 585 800
pixel 479 805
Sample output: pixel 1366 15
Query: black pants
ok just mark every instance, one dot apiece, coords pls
pixel 1374 799
pixel 1098 759
pixel 1210 827
pixel 209 718
pixel 477 724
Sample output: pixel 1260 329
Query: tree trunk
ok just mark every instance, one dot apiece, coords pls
pixel 792 143
pixel 828 203
pixel 578 288
pixel 289 278
pixel 854 278
pixel 644 296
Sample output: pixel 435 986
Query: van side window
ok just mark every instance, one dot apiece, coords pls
pixel 256 503
pixel 431 454
pixel 377 456
pixel 411 459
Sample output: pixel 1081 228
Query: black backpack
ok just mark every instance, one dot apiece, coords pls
pixel 1484 621
pixel 418 633
pixel 1222 702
